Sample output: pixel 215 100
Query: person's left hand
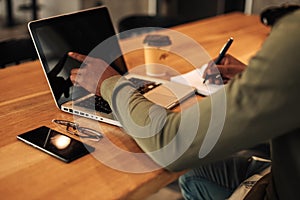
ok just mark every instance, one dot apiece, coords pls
pixel 92 74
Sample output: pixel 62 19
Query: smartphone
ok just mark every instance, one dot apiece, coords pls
pixel 56 144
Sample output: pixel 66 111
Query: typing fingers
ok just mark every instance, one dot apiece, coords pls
pixel 76 76
pixel 77 56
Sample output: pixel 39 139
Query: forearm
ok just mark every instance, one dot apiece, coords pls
pixel 172 139
pixel 150 125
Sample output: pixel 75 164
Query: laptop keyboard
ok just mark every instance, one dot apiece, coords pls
pixel 95 103
pixel 99 104
pixel 143 86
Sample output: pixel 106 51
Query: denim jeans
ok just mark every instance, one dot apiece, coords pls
pixel 218 180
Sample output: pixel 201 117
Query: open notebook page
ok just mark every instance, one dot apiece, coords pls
pixel 194 79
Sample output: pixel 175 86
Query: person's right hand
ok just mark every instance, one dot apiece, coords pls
pixel 92 74
pixel 228 68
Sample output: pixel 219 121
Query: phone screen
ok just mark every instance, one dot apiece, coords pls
pixel 56 144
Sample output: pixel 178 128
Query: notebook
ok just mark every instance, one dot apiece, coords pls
pixel 195 79
pixel 81 32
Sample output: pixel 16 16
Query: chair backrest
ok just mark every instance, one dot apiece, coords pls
pixel 16 51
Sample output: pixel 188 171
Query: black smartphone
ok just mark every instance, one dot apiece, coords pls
pixel 56 144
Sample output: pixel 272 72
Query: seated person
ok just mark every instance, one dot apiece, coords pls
pixel 262 103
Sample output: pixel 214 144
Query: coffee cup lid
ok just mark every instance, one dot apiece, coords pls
pixel 157 40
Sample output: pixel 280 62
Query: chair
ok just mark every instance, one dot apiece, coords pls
pixel 16 51
pixel 286 164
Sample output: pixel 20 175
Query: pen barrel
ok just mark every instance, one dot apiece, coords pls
pixel 224 51
pixel 219 59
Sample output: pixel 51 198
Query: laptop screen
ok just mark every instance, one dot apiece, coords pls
pixel 78 32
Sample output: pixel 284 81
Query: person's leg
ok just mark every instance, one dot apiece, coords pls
pixel 214 181
pixel 218 180
pixel 194 187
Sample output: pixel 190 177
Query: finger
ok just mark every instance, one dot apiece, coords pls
pixel 205 73
pixel 224 70
pixel 82 58
pixel 77 56
pixel 230 71
pixel 211 63
pixel 229 59
pixel 218 79
pixel 212 78
pixel 218 82
pixel 212 72
pixel 73 78
pixel 78 71
pixel 75 71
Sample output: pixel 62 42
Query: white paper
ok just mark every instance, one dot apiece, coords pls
pixel 194 79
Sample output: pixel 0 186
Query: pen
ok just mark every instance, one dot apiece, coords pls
pixel 220 57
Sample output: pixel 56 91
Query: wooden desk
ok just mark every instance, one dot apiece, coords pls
pixel 26 103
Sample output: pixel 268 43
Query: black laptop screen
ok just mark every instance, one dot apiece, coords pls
pixel 79 32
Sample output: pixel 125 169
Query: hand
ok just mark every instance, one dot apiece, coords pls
pixel 228 68
pixel 92 74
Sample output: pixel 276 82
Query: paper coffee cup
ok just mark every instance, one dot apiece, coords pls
pixel 156 50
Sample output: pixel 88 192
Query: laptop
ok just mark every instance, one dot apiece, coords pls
pixel 81 32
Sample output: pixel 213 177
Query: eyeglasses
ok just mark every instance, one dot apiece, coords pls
pixel 75 129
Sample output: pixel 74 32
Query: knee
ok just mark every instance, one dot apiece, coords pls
pixel 191 187
pixel 196 187
pixel 185 187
